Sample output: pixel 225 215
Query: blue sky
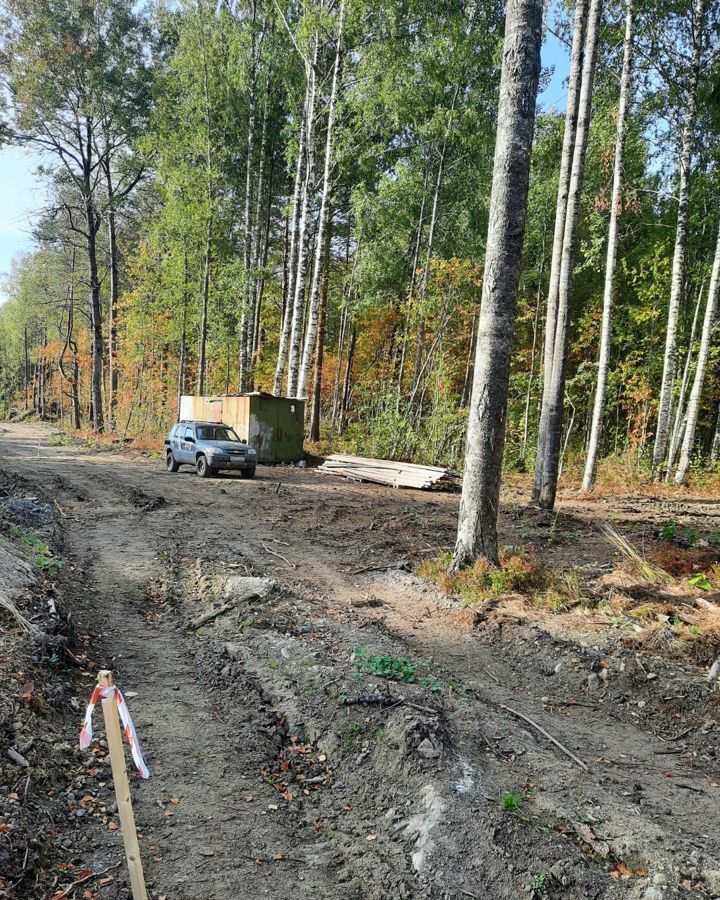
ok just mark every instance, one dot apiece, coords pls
pixel 22 193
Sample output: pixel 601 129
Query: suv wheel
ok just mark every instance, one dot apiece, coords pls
pixel 171 463
pixel 202 467
pixel 247 473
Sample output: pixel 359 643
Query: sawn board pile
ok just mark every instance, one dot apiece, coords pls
pixel 385 471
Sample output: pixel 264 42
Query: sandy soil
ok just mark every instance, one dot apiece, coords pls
pixel 279 767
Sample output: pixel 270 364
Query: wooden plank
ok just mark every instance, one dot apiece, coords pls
pixel 383 471
pixel 383 463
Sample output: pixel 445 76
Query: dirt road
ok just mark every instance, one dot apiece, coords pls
pixel 282 766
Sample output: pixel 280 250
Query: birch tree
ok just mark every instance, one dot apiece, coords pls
pixel 550 435
pixel 678 265
pixel 477 522
pixel 324 216
pixel 695 395
pixel 566 158
pixel 303 239
pixel 612 254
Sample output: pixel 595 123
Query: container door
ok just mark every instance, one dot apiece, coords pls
pixel 289 433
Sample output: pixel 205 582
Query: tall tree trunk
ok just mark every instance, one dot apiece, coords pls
pixel 247 316
pixel 182 357
pixel 480 499
pixel 533 347
pixel 345 405
pixel 700 369
pixel 303 243
pixel 260 247
pixel 678 427
pixel 715 446
pixel 417 363
pixel 568 149
pixel 324 217
pixel 285 333
pixel 678 267
pixel 71 345
pixel 114 297
pixel 204 304
pixel 320 346
pixel 335 406
pixel 612 253
pixel 551 416
pixel 205 289
pixel 95 319
pixel 411 294
pixel 26 366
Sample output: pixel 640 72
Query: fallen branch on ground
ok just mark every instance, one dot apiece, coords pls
pixel 547 734
pixel 208 617
pixel 280 556
pixel 71 887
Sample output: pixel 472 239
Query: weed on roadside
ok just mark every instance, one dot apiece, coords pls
pixel 394 668
pixel 42 555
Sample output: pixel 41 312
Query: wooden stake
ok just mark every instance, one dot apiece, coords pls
pixel 122 790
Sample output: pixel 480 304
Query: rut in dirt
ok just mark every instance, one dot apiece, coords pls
pixel 202 752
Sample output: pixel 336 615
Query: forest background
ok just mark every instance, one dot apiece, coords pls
pixel 293 197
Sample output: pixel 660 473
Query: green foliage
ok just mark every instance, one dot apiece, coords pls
pixel 393 668
pixel 700 581
pixel 513 801
pixel 41 554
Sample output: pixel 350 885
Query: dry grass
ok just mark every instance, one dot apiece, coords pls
pixel 7 604
pixel 520 575
pixel 636 564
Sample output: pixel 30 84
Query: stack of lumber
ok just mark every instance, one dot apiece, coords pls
pixel 384 471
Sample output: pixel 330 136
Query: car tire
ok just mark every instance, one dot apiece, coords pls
pixel 247 473
pixel 202 467
pixel 171 464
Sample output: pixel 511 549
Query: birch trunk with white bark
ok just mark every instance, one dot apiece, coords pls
pixel 678 267
pixel 551 417
pixel 612 254
pixel 297 310
pixel 697 388
pixel 568 147
pixel 292 254
pixel 678 427
pixel 323 218
pixel 477 522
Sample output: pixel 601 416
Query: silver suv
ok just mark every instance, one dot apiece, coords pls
pixel 209 447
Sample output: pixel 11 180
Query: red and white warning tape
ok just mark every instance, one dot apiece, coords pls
pixel 86 732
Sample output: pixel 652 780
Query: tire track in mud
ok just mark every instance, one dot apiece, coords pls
pixel 215 842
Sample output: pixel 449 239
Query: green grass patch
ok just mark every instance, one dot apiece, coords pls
pixel 513 801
